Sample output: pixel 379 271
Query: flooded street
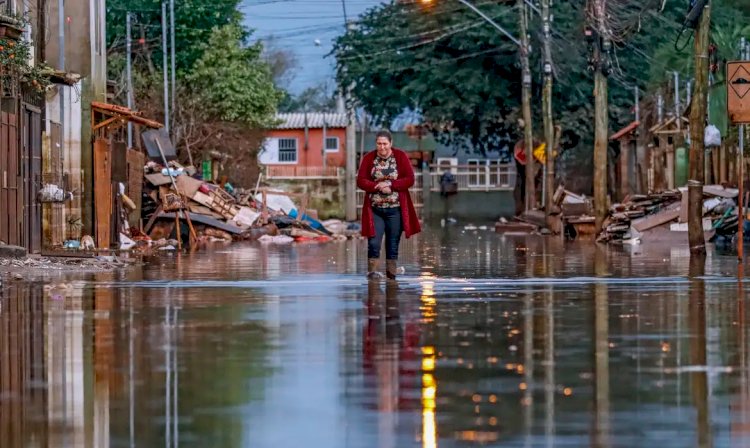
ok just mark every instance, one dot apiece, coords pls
pixel 487 340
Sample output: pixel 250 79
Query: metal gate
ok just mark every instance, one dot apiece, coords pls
pixel 32 178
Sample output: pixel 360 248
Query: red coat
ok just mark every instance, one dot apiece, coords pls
pixel 401 185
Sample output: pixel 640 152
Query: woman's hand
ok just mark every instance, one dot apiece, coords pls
pixel 383 185
pixel 386 190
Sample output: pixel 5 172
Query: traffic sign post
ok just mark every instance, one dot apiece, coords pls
pixel 738 92
pixel 738 110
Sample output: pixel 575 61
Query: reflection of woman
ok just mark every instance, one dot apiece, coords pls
pixel 386 175
pixel 390 349
pixel 383 343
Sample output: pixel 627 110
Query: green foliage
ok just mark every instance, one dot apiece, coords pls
pixel 464 76
pixel 14 65
pixel 231 81
pixel 194 22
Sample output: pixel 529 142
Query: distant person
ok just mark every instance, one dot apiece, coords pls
pixel 448 184
pixel 386 175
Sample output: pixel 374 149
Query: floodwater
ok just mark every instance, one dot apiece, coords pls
pixel 486 341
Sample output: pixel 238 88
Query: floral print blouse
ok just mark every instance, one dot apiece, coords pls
pixel 384 170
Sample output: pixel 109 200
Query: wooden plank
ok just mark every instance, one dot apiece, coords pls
pixel 187 186
pixel 136 160
pixel 119 157
pixel 102 193
pixel 657 219
pixel 209 221
pixel 718 190
pixel 158 179
pixel 203 210
pixel 4 205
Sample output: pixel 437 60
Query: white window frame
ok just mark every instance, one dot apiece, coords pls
pixel 447 164
pixel 476 172
pixel 296 151
pixel 338 144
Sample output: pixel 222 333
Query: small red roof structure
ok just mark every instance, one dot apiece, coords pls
pixel 625 131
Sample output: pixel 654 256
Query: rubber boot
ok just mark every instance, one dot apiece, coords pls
pixel 391 269
pixel 372 268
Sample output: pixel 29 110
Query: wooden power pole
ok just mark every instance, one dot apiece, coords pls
pixel 697 130
pixel 601 118
pixel 549 133
pixel 528 130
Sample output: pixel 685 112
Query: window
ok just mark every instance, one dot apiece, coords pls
pixel 287 150
pixel 332 144
pixel 476 172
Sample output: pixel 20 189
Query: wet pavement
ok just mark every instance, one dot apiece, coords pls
pixel 486 341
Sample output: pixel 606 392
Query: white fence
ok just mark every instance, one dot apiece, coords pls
pixel 301 172
pixel 494 177
pixel 497 177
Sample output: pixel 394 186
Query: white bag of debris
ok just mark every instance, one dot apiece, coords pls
pixel 335 226
pixel 278 202
pixel 712 136
pixel 278 239
pixel 125 242
pixel 51 193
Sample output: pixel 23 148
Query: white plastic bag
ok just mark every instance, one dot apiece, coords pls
pixel 712 136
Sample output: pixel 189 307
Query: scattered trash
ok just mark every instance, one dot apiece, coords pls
pixel 87 243
pixel 278 239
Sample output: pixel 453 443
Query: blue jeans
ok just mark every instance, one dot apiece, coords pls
pixel 388 223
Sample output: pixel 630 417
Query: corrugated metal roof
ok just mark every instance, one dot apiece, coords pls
pixel 314 120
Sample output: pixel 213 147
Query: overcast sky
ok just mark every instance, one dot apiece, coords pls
pixel 296 24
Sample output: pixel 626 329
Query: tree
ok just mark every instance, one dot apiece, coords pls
pixel 194 22
pixel 318 98
pixel 464 77
pixel 232 82
pixel 283 63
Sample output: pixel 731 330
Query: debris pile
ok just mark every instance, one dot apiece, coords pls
pixel 640 213
pixel 179 208
pixel 630 220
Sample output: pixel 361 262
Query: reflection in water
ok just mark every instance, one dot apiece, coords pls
pixel 698 358
pixel 601 357
pixel 289 346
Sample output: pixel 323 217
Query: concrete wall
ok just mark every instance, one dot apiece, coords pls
pixel 72 145
pixel 85 54
pixel 474 206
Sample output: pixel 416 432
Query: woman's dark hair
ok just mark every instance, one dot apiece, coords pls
pixel 384 133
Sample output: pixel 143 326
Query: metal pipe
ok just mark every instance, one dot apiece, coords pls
pixel 637 104
pixel 129 68
pixel 172 50
pixel 677 98
pixel 164 63
pixel 61 57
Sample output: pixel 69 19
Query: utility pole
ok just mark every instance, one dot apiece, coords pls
pixel 602 48
pixel 549 132
pixel 172 51
pixel 346 18
pixel 129 68
pixel 528 130
pixel 164 63
pixel 351 153
pixel 697 135
pixel 61 57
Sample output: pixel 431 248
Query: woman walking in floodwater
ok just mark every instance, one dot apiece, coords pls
pixel 386 175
